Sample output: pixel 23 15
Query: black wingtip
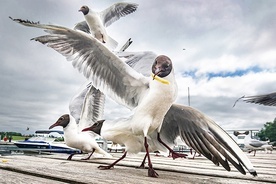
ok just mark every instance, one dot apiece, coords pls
pixel 238 100
pixel 23 21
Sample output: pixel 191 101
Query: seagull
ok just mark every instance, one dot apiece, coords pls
pixel 85 109
pixel 254 145
pixel 196 129
pixel 149 97
pixel 264 99
pixel 97 21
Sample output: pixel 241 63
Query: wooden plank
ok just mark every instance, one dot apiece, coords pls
pixel 56 168
pixel 15 177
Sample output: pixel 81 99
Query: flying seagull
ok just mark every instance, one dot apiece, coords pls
pixel 264 99
pixel 97 21
pixel 150 96
pixel 85 109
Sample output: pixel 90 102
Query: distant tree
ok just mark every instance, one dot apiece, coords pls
pixel 10 134
pixel 268 132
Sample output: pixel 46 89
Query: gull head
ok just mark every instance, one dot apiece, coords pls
pixel 84 9
pixel 62 121
pixel 162 66
pixel 96 127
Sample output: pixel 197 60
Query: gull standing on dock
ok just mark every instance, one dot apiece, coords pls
pixel 196 129
pixel 254 145
pixel 86 108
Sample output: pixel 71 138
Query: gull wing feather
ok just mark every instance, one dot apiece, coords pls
pixel 205 137
pixel 93 107
pixel 82 26
pixel 266 99
pixel 77 102
pixel 139 61
pixel 107 72
pixel 116 11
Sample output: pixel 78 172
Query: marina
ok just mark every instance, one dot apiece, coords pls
pixel 41 141
pixel 49 168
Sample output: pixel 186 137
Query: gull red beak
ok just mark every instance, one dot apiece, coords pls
pixel 86 129
pixel 53 125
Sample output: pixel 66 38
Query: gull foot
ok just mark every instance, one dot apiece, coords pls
pixel 178 155
pixel 152 173
pixel 105 167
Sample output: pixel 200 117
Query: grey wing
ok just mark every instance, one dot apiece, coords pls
pixel 256 143
pixel 82 26
pixel 76 103
pixel 139 61
pixel 93 107
pixel 116 11
pixel 266 99
pixel 205 137
pixel 107 72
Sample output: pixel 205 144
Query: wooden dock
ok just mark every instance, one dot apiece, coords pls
pixel 55 168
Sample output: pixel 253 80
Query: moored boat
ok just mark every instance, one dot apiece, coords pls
pixel 45 141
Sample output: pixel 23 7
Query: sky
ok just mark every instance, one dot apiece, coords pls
pixel 221 50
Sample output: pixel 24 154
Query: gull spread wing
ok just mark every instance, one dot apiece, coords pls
pixel 93 107
pixel 116 11
pixel 107 72
pixel 205 137
pixel 266 99
pixel 77 102
pixel 87 105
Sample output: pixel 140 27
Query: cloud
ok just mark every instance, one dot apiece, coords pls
pixel 229 51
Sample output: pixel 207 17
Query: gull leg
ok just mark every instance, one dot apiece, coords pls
pixel 102 167
pixel 142 166
pixel 89 155
pixel 173 153
pixel 70 156
pixel 151 171
pixel 194 155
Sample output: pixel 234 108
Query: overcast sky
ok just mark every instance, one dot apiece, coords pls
pixel 229 51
